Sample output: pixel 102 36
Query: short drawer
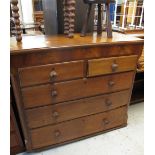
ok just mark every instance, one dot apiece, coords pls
pixel 74 109
pixel 111 65
pixel 76 89
pixel 51 73
pixel 74 129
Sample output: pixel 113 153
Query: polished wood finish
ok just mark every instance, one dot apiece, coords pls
pixel 111 65
pixel 39 17
pixel 15 15
pixel 79 108
pixel 69 130
pixel 51 73
pixel 59 42
pixel 76 89
pixel 53 104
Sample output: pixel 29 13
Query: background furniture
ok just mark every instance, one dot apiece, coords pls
pixel 99 4
pixel 138 89
pixel 16 141
pixel 69 17
pixel 15 15
pixel 62 92
pixel 129 15
pixel 38 12
pixel 54 18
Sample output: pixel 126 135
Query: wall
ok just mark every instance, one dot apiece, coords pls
pixel 27 11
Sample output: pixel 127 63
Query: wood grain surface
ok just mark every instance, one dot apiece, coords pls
pixel 76 89
pixel 73 129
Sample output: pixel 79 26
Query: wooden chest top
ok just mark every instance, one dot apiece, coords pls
pixel 60 41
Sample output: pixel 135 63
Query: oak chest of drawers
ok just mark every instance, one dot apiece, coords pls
pixel 70 89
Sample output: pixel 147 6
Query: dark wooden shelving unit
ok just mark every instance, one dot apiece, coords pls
pixel 138 88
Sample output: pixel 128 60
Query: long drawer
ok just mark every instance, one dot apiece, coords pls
pixel 74 109
pixel 51 73
pixel 76 89
pixel 111 65
pixel 55 134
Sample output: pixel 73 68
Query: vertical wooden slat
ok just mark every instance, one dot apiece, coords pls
pixel 99 23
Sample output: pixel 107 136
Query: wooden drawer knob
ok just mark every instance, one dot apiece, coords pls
pixel 54 93
pixel 85 80
pixel 114 67
pixel 108 102
pixel 55 114
pixel 57 133
pixel 111 83
pixel 53 74
pixel 105 121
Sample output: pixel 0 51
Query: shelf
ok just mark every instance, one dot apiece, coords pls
pixel 138 89
pixel 122 5
pixel 127 15
pixel 137 97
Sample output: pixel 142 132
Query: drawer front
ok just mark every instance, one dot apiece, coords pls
pixel 76 89
pixel 70 110
pixel 51 73
pixel 111 65
pixel 77 128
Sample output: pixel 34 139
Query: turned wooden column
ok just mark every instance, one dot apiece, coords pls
pixel 66 17
pixel 69 17
pixel 15 14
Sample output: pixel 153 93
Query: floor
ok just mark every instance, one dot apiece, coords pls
pixel 125 141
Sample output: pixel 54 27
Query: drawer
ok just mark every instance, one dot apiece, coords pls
pixel 76 89
pixel 66 131
pixel 51 73
pixel 70 110
pixel 111 65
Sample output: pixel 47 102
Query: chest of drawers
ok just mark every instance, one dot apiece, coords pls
pixel 70 89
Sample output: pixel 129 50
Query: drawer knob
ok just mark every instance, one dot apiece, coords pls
pixel 105 121
pixel 55 114
pixel 54 93
pixel 85 80
pixel 108 102
pixel 57 133
pixel 111 83
pixel 53 74
pixel 114 67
